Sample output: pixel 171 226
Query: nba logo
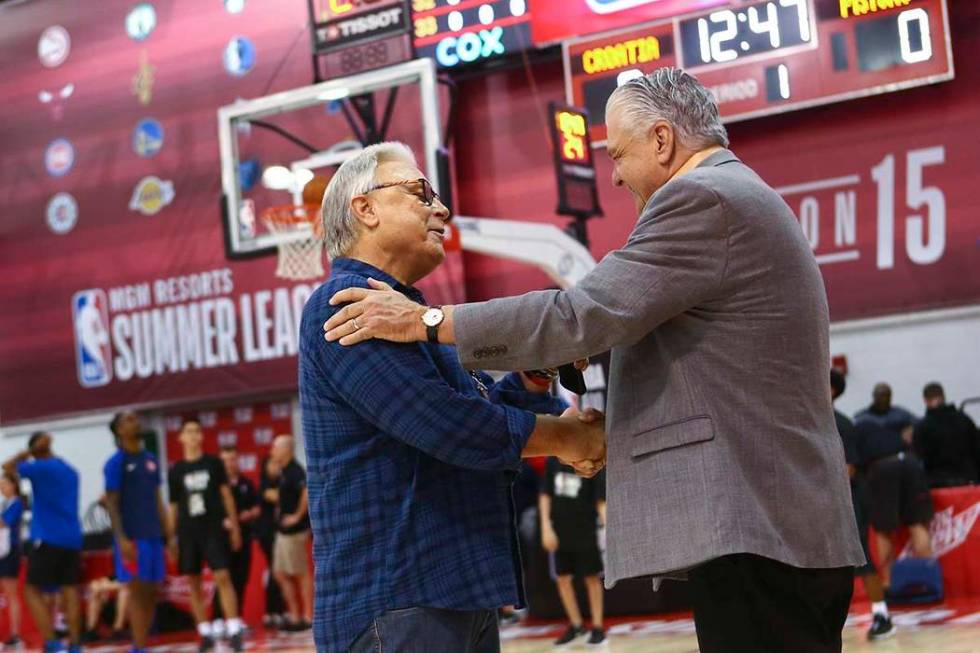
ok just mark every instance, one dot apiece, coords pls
pixel 93 354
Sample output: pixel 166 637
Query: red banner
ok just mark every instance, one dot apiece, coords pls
pixel 955 535
pixel 112 268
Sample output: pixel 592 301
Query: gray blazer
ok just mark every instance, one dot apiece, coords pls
pixel 721 435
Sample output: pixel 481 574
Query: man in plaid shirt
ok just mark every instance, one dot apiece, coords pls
pixel 410 465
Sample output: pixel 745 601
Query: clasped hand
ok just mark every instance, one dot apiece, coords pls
pixel 586 448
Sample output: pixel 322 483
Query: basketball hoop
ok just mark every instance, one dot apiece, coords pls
pixel 300 240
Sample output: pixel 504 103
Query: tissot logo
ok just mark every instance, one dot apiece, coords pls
pixel 612 6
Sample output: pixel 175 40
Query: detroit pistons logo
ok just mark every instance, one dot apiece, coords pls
pixel 93 351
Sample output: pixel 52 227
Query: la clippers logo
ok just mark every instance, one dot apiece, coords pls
pixel 949 531
pixel 612 6
pixel 93 353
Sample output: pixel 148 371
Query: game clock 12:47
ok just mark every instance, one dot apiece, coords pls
pixel 728 35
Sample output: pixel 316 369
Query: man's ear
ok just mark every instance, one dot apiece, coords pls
pixel 661 135
pixel 363 210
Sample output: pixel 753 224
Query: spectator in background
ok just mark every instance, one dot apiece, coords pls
pixel 572 508
pixel 291 559
pixel 881 623
pixel 139 523
pixel 247 505
pixel 531 391
pixel 101 591
pixel 897 490
pixel 883 414
pixel 200 502
pixel 947 441
pixel 57 535
pixel 266 529
pixel 11 512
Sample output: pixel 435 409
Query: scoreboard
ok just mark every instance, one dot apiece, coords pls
pixel 352 36
pixel 764 57
pixel 460 32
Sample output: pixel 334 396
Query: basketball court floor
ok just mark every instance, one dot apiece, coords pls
pixel 951 627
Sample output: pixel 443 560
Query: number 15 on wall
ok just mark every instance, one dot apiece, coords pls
pixel 925 230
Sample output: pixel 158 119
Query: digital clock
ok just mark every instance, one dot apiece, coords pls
pixel 732 34
pixel 765 57
pixel 352 36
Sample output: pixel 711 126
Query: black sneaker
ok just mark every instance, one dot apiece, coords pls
pixel 881 628
pixel 573 634
pixel 207 644
pixel 508 618
pixel 597 639
pixel 235 641
pixel 13 641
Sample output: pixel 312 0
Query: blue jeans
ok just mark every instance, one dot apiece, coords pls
pixel 427 630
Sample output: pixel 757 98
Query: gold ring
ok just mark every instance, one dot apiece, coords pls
pixel 356 325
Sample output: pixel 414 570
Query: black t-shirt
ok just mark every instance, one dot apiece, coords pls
pixel 243 491
pixel 292 482
pixel 848 436
pixel 195 486
pixel 573 505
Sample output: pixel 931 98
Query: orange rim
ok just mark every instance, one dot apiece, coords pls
pixel 288 215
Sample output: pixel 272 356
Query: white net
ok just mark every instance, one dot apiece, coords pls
pixel 300 241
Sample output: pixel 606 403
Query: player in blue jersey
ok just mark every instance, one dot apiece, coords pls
pixel 139 522
pixel 56 533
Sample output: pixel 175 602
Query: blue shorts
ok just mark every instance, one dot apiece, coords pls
pixel 150 565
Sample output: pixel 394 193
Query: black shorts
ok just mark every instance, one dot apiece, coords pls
pixel 10 566
pixel 50 566
pixel 196 548
pixel 898 493
pixel 578 563
pixel 859 497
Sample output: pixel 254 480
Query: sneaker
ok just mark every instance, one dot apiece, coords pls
pixel 207 644
pixel 53 646
pixel 13 641
pixel 235 641
pixel 597 639
pixel 881 628
pixel 573 634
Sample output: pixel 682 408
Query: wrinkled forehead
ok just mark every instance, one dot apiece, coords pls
pixel 396 170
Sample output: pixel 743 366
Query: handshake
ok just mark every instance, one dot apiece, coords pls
pixel 577 439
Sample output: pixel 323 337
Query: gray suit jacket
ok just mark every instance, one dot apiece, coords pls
pixel 721 435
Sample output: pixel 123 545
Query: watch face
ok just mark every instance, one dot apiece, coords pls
pixel 432 317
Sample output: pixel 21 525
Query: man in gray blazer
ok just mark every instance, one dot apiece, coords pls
pixel 725 466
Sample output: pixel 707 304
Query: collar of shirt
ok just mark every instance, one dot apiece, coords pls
pixel 353 266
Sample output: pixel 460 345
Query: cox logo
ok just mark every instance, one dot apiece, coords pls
pixel 469 47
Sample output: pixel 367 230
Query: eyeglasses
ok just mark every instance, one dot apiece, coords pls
pixel 427 196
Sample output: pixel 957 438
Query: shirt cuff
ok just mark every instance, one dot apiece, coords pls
pixel 520 424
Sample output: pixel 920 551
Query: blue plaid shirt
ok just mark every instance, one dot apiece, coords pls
pixel 410 474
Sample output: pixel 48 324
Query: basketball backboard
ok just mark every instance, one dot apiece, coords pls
pixel 271 146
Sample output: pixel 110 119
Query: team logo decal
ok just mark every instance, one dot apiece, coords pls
pixel 151 195
pixel 56 100
pixel 62 213
pixel 141 21
pixel 147 137
pixel 59 156
pixel 239 56
pixel 143 80
pixel 93 352
pixel 53 46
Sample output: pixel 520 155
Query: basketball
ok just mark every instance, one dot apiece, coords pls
pixel 314 189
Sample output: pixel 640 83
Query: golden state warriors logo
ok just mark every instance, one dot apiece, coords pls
pixel 151 195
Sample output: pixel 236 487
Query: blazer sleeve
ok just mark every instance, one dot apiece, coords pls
pixel 675 259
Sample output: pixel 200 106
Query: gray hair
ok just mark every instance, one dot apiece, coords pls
pixel 672 95
pixel 355 177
